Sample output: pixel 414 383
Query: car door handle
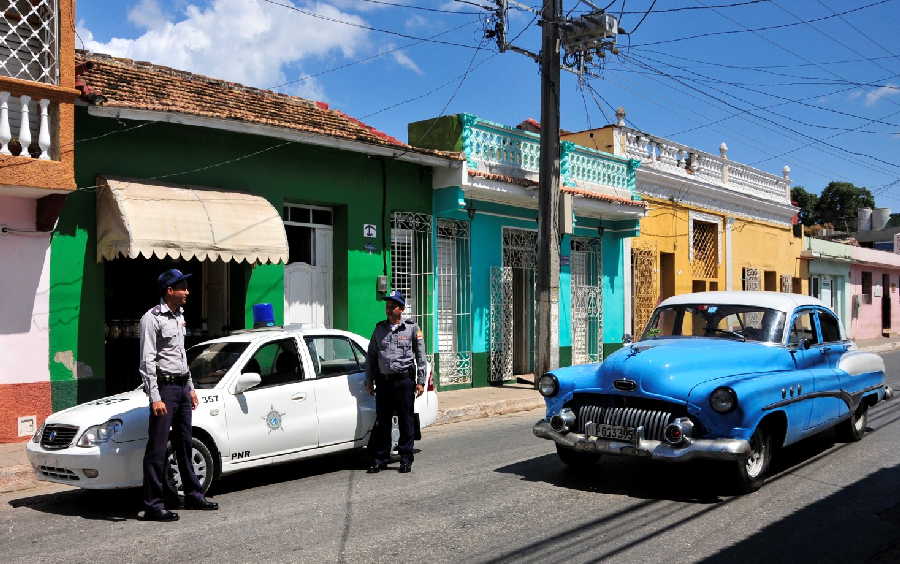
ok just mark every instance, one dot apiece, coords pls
pixel 299 397
pixel 825 349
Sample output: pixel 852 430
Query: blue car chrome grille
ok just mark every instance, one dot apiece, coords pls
pixel 653 422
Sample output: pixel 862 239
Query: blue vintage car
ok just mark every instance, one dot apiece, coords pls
pixel 729 376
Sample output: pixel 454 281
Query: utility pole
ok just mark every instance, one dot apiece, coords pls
pixel 546 355
pixel 585 40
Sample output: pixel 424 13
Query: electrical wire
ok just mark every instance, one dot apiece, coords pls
pixel 767 120
pixel 765 28
pixel 370 58
pixel 784 98
pixel 684 8
pixel 644 17
pixel 412 7
pixel 367 27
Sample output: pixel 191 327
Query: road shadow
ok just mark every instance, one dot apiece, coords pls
pixel 123 505
pixel 858 523
pixel 695 481
pixel 100 505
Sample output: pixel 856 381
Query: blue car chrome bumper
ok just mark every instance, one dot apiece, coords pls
pixel 716 449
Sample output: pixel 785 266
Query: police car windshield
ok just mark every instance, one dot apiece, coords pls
pixel 738 322
pixel 209 362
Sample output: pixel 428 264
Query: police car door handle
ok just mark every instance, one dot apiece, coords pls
pixel 299 397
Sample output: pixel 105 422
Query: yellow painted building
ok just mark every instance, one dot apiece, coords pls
pixel 713 224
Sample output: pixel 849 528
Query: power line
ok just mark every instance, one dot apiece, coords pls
pixel 412 7
pixel 644 17
pixel 684 8
pixel 371 57
pixel 784 98
pixel 762 118
pixel 367 27
pixel 765 28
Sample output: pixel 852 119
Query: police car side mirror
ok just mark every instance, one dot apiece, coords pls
pixel 246 381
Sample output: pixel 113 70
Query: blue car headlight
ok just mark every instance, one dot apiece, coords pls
pixel 723 399
pixel 548 385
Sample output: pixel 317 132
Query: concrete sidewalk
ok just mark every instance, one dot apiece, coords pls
pixel 454 406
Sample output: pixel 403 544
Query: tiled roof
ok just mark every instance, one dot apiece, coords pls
pixel 124 83
pixel 604 197
pixel 527 183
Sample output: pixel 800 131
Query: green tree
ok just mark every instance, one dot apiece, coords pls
pixel 839 202
pixel 806 201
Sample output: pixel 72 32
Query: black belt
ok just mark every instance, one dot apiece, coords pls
pixel 165 378
pixel 409 373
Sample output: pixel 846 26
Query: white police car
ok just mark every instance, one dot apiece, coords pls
pixel 266 396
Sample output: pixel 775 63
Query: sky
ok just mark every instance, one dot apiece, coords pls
pixel 817 90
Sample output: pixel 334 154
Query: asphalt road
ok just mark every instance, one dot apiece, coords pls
pixel 488 491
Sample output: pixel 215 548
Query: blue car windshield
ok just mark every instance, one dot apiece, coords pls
pixel 209 362
pixel 737 322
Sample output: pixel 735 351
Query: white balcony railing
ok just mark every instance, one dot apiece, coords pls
pixel 500 149
pixel 672 157
pixel 25 126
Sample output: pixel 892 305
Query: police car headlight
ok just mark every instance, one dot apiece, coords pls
pixel 37 436
pixel 548 385
pixel 723 400
pixel 100 433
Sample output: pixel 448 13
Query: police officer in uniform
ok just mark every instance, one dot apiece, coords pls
pixel 396 368
pixel 167 380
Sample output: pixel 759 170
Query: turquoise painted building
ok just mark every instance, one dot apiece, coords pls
pixel 483 252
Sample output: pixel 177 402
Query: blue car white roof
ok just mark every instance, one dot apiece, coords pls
pixel 778 301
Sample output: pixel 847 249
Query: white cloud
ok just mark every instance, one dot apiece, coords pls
pixel 881 92
pixel 416 21
pixel 246 41
pixel 855 94
pixel 405 61
pixel 147 14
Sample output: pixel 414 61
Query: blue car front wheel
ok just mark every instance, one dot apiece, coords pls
pixel 750 471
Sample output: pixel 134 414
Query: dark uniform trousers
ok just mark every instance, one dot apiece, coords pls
pixel 393 393
pixel 177 398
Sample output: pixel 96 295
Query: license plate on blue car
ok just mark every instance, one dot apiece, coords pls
pixel 615 433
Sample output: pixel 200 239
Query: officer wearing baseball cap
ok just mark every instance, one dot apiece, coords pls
pixel 395 373
pixel 167 382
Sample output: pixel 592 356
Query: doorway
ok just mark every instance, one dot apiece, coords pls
pixel 308 274
pixel 886 304
pixel 520 256
pixel 666 275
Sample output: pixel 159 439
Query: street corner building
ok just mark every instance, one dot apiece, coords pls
pixel 262 197
pixel 712 224
pixel 37 104
pixel 482 241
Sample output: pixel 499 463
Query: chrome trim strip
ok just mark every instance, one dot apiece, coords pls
pixel 716 449
pixel 852 400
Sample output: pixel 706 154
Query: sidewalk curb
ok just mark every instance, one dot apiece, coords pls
pixel 15 478
pixel 480 410
pixel 884 347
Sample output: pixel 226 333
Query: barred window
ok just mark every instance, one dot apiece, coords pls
pixel 29 31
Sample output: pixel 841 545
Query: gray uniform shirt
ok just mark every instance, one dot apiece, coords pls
pixel 162 347
pixel 396 350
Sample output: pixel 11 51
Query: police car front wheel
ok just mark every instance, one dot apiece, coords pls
pixel 202 462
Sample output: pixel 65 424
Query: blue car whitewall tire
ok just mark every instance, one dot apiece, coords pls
pixel 854 428
pixel 752 469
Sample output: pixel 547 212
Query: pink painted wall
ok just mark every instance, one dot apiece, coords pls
pixel 24 307
pixel 867 323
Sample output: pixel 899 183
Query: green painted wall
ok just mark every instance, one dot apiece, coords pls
pixel 293 173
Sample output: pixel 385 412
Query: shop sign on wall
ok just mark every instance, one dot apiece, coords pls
pixel 876 291
pixel 369 231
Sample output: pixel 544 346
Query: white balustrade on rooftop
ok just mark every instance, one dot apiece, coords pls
pixel 15 115
pixel 662 154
